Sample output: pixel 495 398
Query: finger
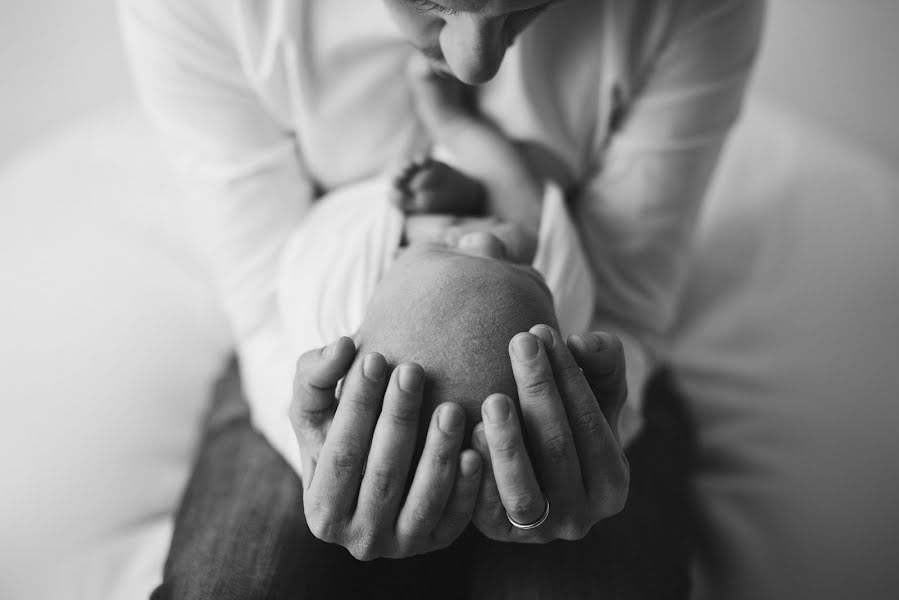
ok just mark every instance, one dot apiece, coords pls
pixel 391 448
pixel 601 356
pixel 515 478
pixel 589 428
pixel 434 475
pixel 545 420
pixel 605 467
pixel 312 407
pixel 339 471
pixel 490 514
pixel 460 506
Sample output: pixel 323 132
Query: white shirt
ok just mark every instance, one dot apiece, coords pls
pixel 267 103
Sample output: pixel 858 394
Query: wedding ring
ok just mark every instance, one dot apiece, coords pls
pixel 536 523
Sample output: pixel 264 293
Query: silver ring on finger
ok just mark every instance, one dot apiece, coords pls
pixel 536 523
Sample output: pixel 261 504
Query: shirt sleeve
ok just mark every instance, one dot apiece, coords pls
pixel 245 186
pixel 678 95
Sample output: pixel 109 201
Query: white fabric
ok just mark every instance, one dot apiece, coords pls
pixel 335 259
pixel 262 102
pixel 111 339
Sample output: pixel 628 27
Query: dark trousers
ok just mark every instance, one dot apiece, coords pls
pixel 240 532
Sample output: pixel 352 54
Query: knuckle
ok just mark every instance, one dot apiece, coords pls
pixel 410 547
pixel 364 548
pixel 453 522
pixel 572 529
pixel 507 448
pixel 365 402
pixel 525 505
pixel 318 529
pixel 402 415
pixel 321 525
pixel 382 484
pixel 558 449
pixel 538 387
pixel 424 514
pixel 345 459
pixel 443 455
pixel 491 521
pixel 589 423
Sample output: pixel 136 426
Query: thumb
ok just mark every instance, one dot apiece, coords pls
pixel 314 396
pixel 601 357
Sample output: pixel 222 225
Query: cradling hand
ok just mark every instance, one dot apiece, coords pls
pixel 357 454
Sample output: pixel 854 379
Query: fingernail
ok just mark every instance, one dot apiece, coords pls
pixel 546 336
pixel 330 349
pixel 526 347
pixel 449 420
pixel 469 464
pixel 373 367
pixel 410 378
pixel 497 409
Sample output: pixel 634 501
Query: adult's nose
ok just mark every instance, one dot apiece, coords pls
pixel 473 48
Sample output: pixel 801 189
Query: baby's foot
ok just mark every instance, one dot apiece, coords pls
pixel 425 185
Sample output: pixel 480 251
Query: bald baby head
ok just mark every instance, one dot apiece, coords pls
pixel 454 313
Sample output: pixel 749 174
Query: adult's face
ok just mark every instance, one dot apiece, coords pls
pixel 465 38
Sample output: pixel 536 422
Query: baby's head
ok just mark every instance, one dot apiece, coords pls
pixel 454 313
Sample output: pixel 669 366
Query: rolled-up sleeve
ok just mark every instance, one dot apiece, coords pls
pixel 245 185
pixel 637 214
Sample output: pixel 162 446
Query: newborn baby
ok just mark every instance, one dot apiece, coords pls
pixel 453 311
pixel 346 249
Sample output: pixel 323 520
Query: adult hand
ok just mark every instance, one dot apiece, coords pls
pixel 570 397
pixel 357 453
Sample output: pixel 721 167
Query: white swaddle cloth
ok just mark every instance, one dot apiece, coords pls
pixel 338 255
pixel 330 268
